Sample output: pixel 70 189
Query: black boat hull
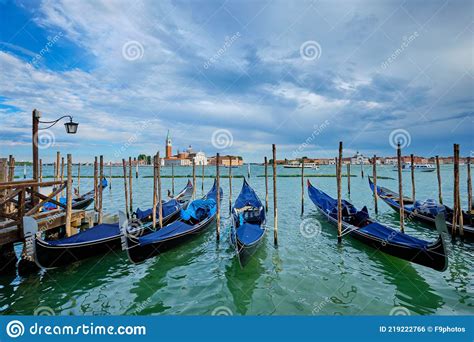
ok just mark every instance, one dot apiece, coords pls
pixel 430 221
pixel 138 253
pixel 49 256
pixel 246 252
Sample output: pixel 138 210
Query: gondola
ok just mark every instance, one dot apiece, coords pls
pixel 94 241
pixel 196 218
pixel 425 211
pixel 248 223
pixel 360 226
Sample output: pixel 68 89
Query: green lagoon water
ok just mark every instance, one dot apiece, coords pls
pixel 303 276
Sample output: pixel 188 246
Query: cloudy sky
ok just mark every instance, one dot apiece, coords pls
pixel 237 76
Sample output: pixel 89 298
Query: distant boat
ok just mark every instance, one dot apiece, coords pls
pixel 406 167
pixel 298 166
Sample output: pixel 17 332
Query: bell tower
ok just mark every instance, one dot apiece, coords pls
pixel 168 145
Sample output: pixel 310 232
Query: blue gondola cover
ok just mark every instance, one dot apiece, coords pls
pixel 101 231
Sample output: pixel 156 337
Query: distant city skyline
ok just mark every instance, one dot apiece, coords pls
pixel 235 77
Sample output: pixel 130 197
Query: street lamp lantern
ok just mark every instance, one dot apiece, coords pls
pixel 71 127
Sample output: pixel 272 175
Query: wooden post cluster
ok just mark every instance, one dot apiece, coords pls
pixel 374 176
pixel 339 194
pixel 438 172
pixel 275 206
pixel 457 208
pixel 218 214
pixel 302 186
pixel 266 183
pixel 412 169
pixel 400 188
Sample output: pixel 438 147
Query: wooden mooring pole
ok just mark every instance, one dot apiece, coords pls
pixel 302 186
pixel 101 189
pixel 136 167
pixel 349 178
pixel 218 214
pixel 41 171
pixel 78 179
pixel 469 189
pixel 194 178
pixel 202 179
pixel 230 184
pixel 438 173
pixel 69 231
pixel 62 171
pixel 458 216
pixel 160 202
pixel 275 206
pixel 110 175
pixel 172 178
pixel 56 173
pixel 374 176
pixel 124 165
pixel 96 185
pixel 130 171
pixel 400 188
pixel 339 194
pixel 155 199
pixel 361 169
pixel 265 162
pixel 412 170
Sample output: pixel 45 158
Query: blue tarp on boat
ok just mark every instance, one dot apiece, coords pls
pixel 169 231
pixel 101 231
pixel 329 204
pixel 393 236
pixel 249 233
pixel 169 207
pixel 199 209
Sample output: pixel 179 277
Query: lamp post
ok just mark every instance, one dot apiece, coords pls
pixel 71 128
